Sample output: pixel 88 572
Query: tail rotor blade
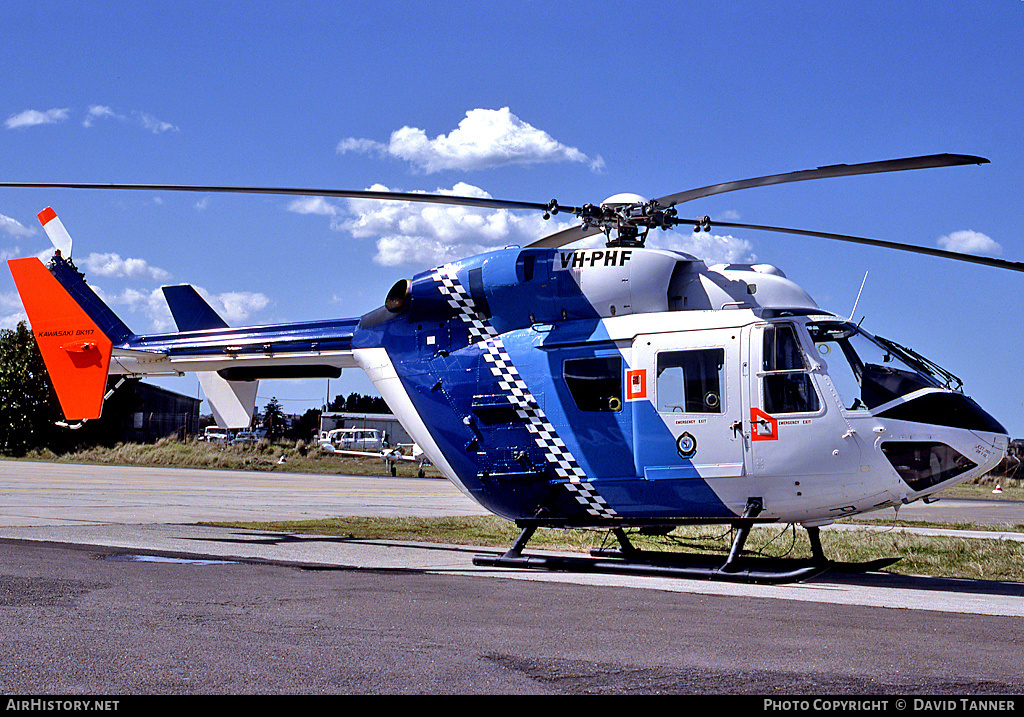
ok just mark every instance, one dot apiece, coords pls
pixel 55 230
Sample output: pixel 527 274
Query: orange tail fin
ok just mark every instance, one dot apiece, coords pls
pixel 75 350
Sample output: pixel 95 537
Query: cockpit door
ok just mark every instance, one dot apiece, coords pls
pixel 804 447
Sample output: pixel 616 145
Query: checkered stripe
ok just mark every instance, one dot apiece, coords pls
pixel 481 331
pixel 458 299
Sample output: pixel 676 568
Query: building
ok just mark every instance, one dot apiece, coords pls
pixel 139 412
pixel 384 422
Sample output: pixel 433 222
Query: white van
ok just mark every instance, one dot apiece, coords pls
pixel 369 440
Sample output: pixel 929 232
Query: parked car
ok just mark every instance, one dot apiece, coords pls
pixel 215 434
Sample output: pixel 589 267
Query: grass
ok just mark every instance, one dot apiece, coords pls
pixel 890 523
pixel 953 557
pixel 1009 490
pixel 263 456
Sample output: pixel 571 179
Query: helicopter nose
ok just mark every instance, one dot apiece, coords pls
pixel 946 456
pixel 960 441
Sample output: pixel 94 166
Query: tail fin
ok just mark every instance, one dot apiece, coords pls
pixel 74 329
pixel 232 402
pixel 190 311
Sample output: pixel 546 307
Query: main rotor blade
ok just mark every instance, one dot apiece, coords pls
pixel 342 193
pixel 958 256
pixel 835 170
pixel 566 236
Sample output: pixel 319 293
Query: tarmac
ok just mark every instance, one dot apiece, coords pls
pixel 155 514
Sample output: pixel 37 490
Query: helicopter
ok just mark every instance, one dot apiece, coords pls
pixel 615 387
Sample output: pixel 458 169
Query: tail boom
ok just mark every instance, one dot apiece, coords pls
pixel 82 341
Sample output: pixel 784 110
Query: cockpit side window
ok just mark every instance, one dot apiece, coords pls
pixel 786 384
pixel 866 372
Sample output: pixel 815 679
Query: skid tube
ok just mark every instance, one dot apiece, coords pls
pixel 628 560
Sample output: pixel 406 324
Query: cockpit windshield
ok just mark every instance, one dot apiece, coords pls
pixel 868 371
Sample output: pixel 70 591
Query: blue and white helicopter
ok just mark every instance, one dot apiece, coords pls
pixel 618 388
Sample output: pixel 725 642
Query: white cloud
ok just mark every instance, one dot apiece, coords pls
pixel 970 242
pixel 14 227
pixel 112 265
pixel 424 233
pixel 98 112
pixel 11 321
pixel 431 234
pixel 314 205
pixel 11 310
pixel 363 146
pixel 143 119
pixel 150 304
pixel 235 307
pixel 710 248
pixel 30 118
pixel 154 125
pixel 484 138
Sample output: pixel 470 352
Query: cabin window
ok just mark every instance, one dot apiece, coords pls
pixel 691 381
pixel 787 386
pixel 595 383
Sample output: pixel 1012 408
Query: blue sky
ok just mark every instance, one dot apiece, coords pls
pixel 519 100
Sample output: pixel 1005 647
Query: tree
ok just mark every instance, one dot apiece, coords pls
pixel 274 419
pixel 358 403
pixel 28 406
pixel 306 426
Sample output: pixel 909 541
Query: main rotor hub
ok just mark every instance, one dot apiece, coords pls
pixel 626 218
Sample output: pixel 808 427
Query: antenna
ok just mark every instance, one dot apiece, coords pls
pixel 857 301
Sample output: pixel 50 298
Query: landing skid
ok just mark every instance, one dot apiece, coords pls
pixel 627 560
